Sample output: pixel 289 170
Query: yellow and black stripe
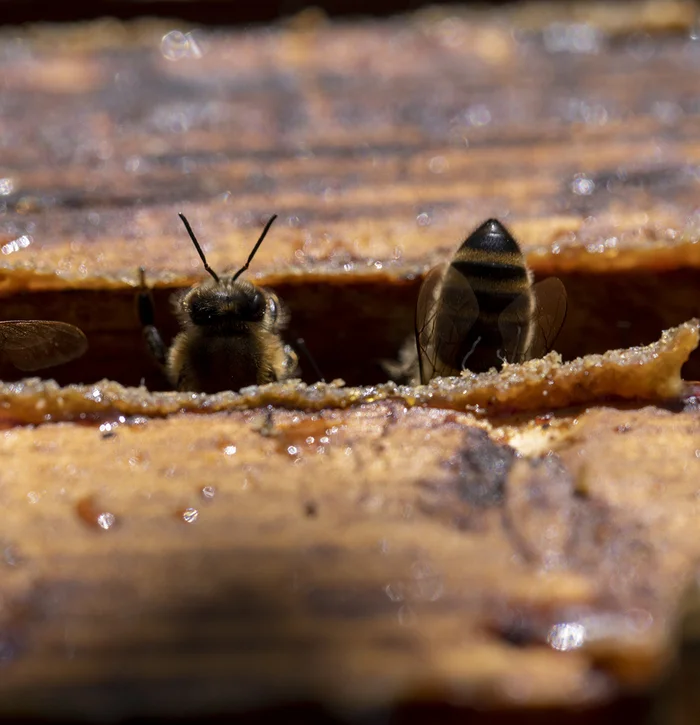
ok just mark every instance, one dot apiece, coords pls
pixel 486 276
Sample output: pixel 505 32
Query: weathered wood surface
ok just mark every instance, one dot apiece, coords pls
pixel 376 143
pixel 649 374
pixel 360 558
pixel 380 145
pixel 356 559
pixel 408 556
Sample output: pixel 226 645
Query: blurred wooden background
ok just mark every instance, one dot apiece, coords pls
pixel 380 143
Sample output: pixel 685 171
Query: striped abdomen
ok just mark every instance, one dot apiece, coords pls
pixel 484 280
pixel 484 309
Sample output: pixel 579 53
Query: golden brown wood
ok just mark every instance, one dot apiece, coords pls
pixel 380 144
pixel 164 554
pixel 651 373
pixel 173 558
pixel 365 556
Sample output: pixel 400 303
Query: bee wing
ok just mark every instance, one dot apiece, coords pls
pixel 444 315
pixel 545 318
pixel 426 315
pixel 34 344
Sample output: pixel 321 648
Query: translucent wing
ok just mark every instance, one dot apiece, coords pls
pixel 530 324
pixel 445 314
pixel 426 314
pixel 35 344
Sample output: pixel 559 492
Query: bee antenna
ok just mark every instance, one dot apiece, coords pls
pixel 255 248
pixel 302 346
pixel 198 248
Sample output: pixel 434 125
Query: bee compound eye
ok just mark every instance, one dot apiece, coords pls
pixel 201 312
pixel 272 308
pixel 256 308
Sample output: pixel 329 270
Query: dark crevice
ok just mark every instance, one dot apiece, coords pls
pixel 349 329
pixel 631 708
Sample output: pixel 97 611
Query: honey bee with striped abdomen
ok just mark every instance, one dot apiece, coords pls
pixel 483 309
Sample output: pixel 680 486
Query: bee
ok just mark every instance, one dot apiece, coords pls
pixel 230 331
pixel 483 309
pixel 35 344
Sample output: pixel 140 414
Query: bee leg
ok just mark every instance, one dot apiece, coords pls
pixel 404 370
pixel 155 345
pixel 146 310
pixel 291 362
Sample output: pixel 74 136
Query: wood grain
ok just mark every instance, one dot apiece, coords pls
pixel 196 565
pixel 379 144
pixel 481 121
pixel 197 560
pixel 362 550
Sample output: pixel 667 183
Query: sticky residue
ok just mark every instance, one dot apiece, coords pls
pixel 90 513
pixel 16 244
pixel 189 515
pixel 108 430
pixel 106 520
pixel 566 636
pixel 313 435
pixel 177 45
pixel 208 492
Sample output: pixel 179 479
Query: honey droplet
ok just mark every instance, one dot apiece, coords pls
pixel 89 512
